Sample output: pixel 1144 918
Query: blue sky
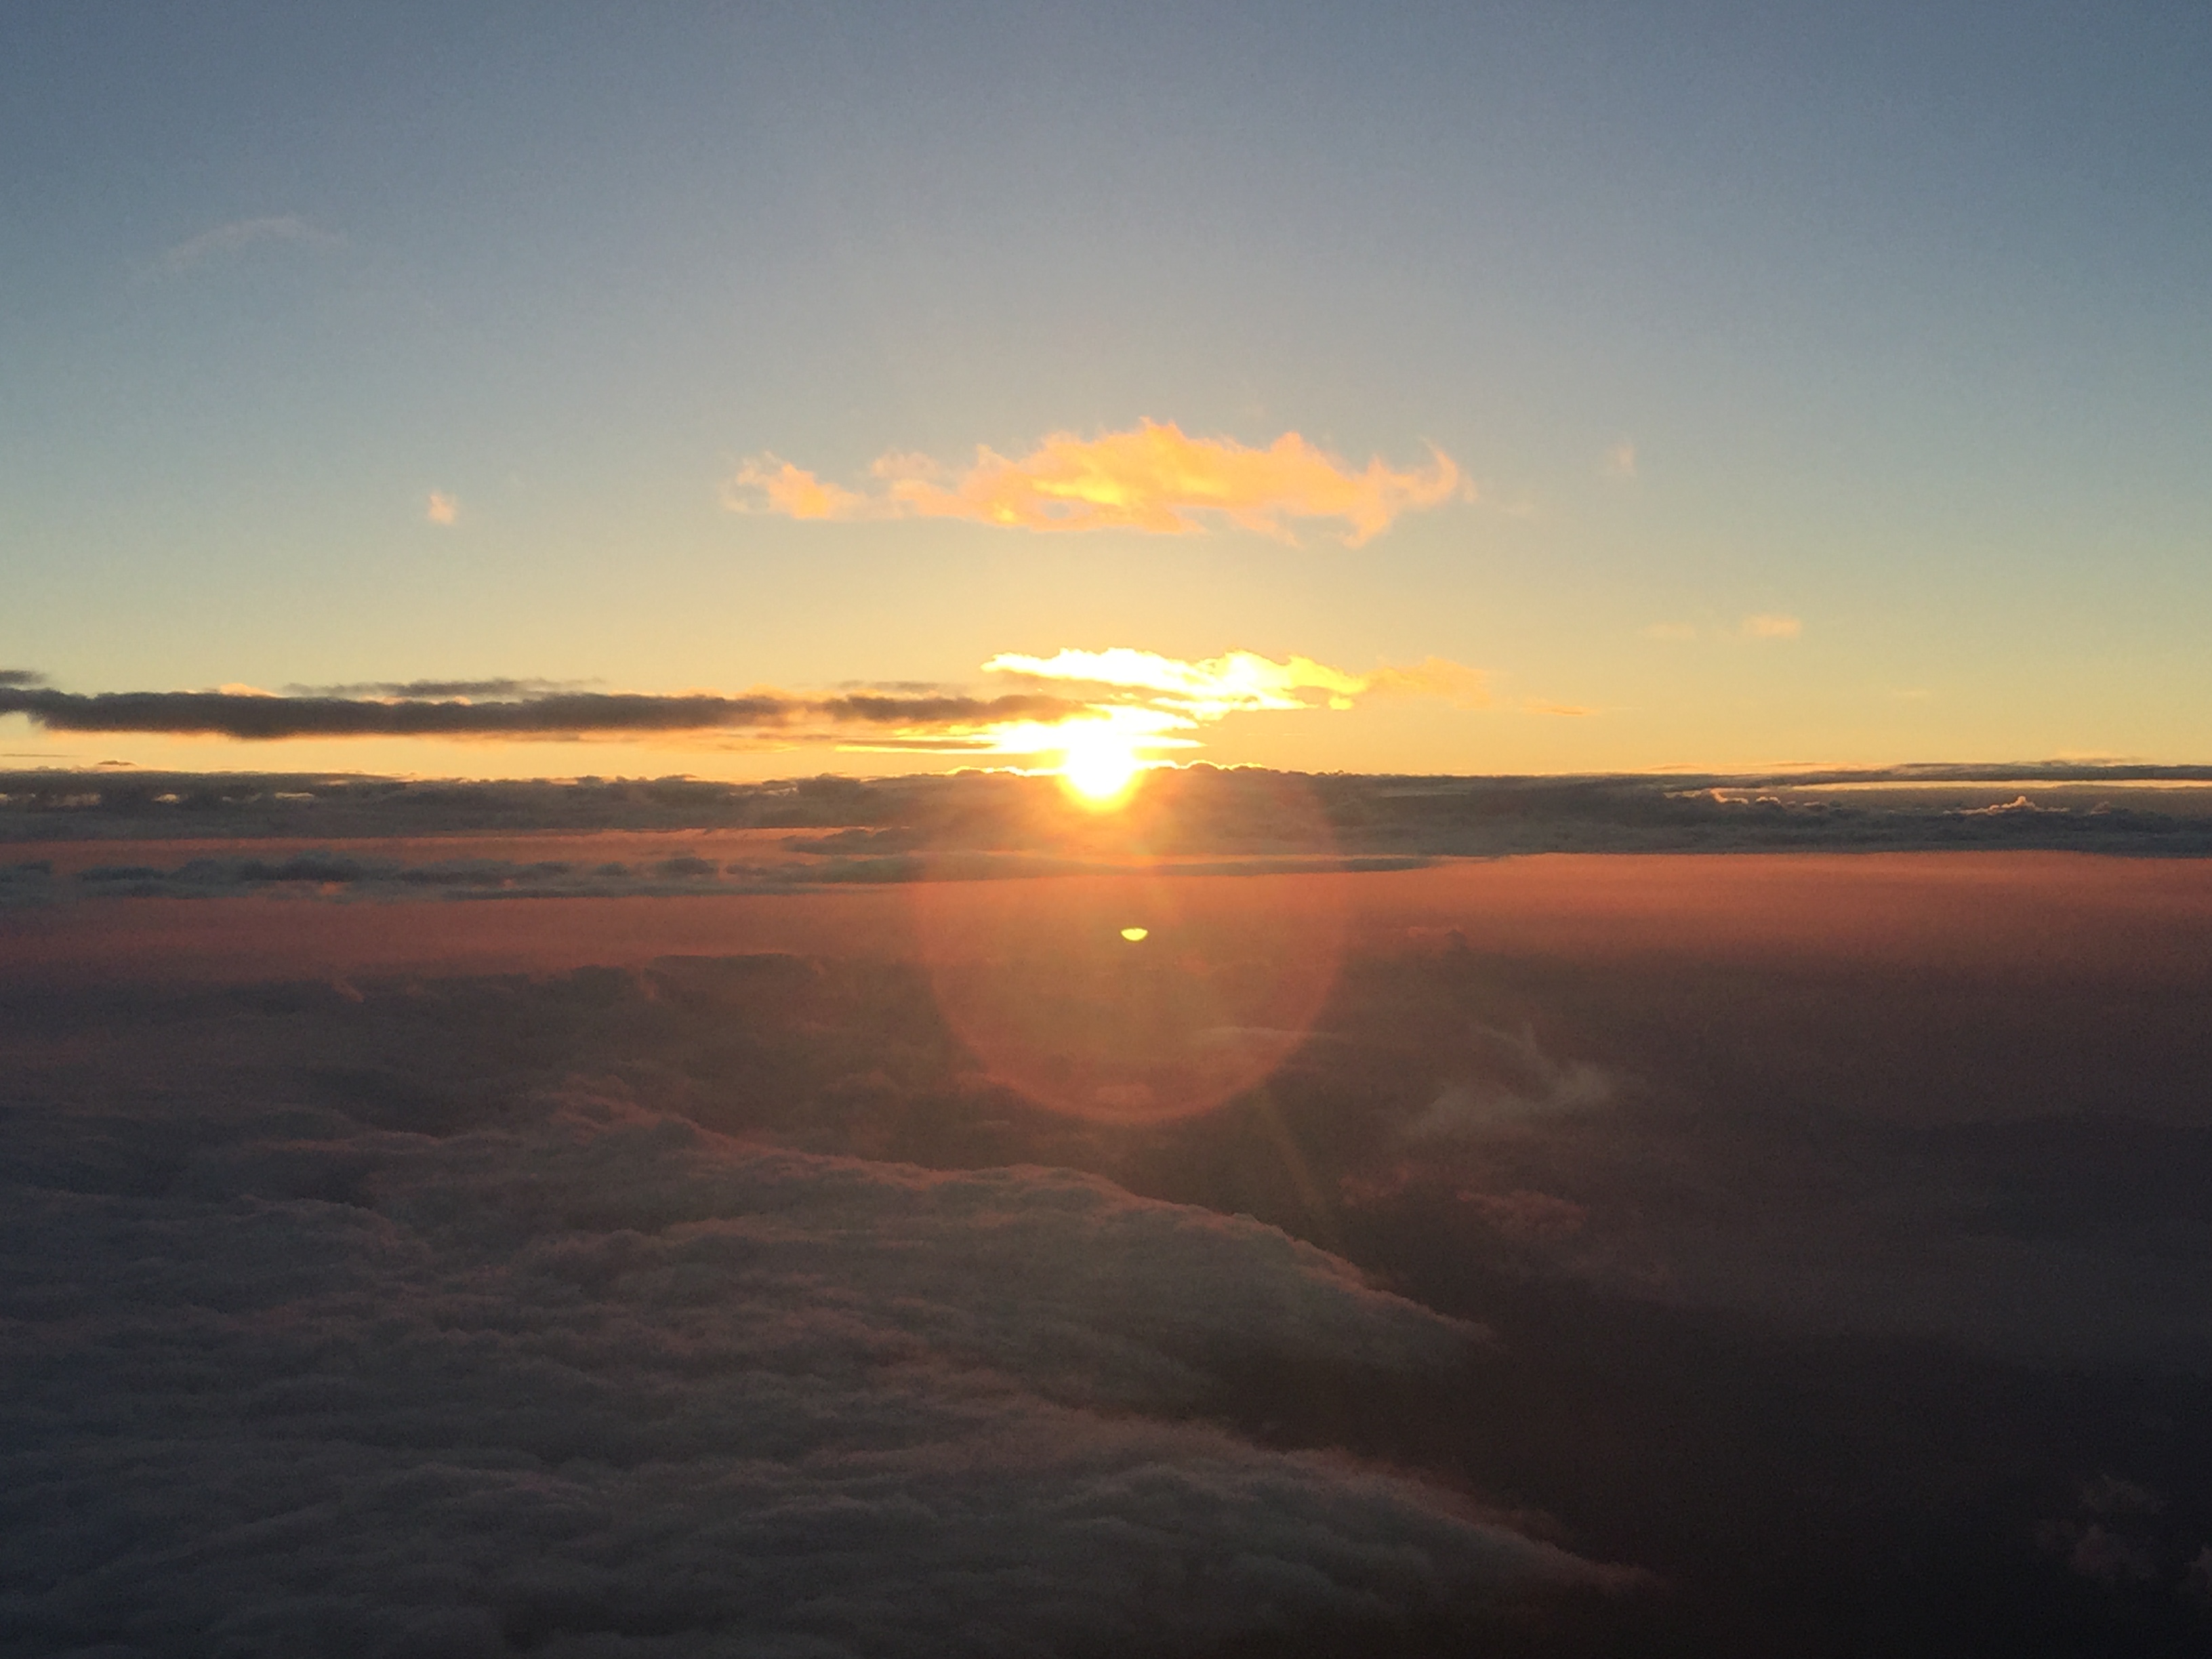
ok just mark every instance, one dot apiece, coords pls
pixel 1896 321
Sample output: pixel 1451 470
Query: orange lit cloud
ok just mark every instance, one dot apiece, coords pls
pixel 1244 680
pixel 1155 478
pixel 767 483
pixel 442 508
pixel 1771 628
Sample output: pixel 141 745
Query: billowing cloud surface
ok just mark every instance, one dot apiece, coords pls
pixel 1155 478
pixel 598 1381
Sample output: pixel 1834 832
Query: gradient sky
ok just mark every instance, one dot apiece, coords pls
pixel 1892 321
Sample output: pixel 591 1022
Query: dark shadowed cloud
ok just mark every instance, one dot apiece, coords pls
pixel 487 688
pixel 15 678
pixel 254 717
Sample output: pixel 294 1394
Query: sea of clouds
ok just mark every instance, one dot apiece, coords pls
pixel 595 1380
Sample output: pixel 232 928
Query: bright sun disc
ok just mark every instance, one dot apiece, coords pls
pixel 1099 769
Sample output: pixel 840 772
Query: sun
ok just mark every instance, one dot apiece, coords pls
pixel 1098 769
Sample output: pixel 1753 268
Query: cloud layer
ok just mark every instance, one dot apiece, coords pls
pixel 253 716
pixel 600 1382
pixel 1154 478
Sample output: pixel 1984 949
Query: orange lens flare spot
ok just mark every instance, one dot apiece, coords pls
pixel 1136 935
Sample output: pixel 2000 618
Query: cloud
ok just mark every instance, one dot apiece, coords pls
pixel 793 492
pixel 1530 1085
pixel 1621 461
pixel 18 678
pixel 503 687
pixel 1242 681
pixel 226 240
pixel 262 716
pixel 1565 710
pixel 1154 478
pixel 1135 701
pixel 596 1380
pixel 443 509
pixel 1769 626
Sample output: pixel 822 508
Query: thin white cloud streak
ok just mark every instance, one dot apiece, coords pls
pixel 226 240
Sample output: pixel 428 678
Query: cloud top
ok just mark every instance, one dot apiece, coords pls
pixel 1154 478
pixel 598 1381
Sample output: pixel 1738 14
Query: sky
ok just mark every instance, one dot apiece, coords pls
pixel 1566 388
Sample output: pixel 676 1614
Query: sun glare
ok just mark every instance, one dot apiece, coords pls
pixel 1099 770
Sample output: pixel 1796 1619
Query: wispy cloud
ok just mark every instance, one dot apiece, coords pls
pixel 1154 478
pixel 1621 461
pixel 442 508
pixel 16 678
pixel 1768 626
pixel 226 240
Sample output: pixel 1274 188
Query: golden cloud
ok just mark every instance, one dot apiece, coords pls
pixel 1154 478
pixel 1242 681
pixel 1771 628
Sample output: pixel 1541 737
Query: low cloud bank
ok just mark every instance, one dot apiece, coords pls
pixel 598 1381
pixel 916 825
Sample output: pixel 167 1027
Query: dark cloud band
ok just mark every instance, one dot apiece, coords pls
pixel 234 714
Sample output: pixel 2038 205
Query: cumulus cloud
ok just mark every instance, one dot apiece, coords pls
pixel 443 509
pixel 226 240
pixel 1155 478
pixel 1770 626
pixel 598 1380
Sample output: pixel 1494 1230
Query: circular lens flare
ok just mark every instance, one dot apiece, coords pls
pixel 1181 962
